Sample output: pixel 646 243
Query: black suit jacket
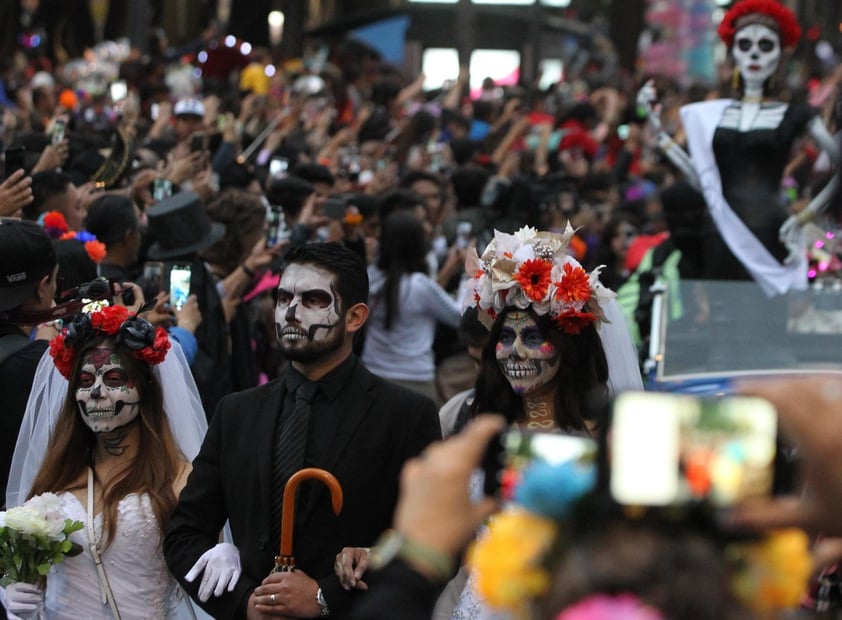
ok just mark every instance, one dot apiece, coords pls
pixel 381 425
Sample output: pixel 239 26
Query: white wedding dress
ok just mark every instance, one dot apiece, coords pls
pixel 134 563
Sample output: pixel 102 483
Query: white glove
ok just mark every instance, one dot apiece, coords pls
pixel 646 98
pixel 222 569
pixel 21 598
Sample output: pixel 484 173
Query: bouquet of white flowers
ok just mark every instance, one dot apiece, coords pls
pixel 33 537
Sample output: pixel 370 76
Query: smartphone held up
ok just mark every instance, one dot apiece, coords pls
pixel 673 450
pixel 179 285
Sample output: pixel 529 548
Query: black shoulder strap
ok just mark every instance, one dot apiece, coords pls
pixel 11 344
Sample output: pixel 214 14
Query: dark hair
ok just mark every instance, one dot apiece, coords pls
pixel 289 193
pixel 414 176
pixel 110 217
pixel 398 200
pixel 243 214
pixel 75 267
pixel 468 182
pixel 345 264
pixel 403 248
pixel 582 376
pixel 314 173
pixel 72 443
pixel 45 186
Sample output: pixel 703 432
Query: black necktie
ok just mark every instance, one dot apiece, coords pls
pixel 290 447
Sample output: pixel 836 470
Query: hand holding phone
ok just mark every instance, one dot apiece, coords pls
pixel 674 449
pixel 513 452
pixel 179 285
pixel 197 142
pixel 14 160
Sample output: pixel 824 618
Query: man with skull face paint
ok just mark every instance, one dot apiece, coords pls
pixel 360 428
pixel 738 152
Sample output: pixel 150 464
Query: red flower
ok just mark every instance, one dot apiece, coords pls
pixel 790 30
pixel 574 285
pixel 62 355
pixel 95 250
pixel 534 277
pixel 109 319
pixel 157 351
pixel 54 221
pixel 70 234
pixel 573 321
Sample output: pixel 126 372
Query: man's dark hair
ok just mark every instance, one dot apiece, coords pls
pixel 45 186
pixel 345 264
pixel 412 177
pixel 110 217
pixel 289 193
pixel 398 200
pixel 314 173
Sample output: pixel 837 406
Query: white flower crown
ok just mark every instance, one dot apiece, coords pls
pixel 533 269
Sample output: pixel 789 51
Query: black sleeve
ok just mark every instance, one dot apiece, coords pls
pixel 397 587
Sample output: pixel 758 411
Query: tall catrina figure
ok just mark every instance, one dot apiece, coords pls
pixel 738 151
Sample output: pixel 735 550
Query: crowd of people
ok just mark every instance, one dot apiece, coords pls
pixel 209 285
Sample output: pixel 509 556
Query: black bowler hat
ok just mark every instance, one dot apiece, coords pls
pixel 181 226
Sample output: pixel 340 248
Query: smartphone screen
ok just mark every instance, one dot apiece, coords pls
pixel 161 189
pixel 179 285
pixel 197 142
pixel 58 131
pixel 14 159
pixel 118 91
pixel 671 449
pixel 512 452
pixel 278 167
pixel 153 277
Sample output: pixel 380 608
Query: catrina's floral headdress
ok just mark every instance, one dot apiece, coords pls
pixel 149 344
pixel 533 269
pixel 56 226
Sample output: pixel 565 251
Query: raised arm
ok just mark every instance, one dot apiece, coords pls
pixel 646 98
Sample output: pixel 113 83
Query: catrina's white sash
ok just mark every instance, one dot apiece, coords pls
pixel 700 121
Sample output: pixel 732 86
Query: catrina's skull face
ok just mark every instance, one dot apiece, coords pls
pixel 106 395
pixel 525 356
pixel 757 52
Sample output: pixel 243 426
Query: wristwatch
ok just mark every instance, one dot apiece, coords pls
pixel 391 544
pixel 324 610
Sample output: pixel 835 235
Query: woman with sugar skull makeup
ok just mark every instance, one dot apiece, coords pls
pixel 558 346
pixel 111 427
pixel 738 151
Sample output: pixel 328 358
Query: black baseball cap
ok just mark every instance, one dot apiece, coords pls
pixel 26 256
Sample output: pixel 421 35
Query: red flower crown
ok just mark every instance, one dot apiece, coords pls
pixel 147 343
pixel 788 28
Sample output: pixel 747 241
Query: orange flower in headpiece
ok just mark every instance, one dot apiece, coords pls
pixel 96 250
pixel 575 285
pixel 534 277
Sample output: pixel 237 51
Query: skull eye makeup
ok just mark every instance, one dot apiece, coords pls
pixel 316 299
pixel 284 297
pixel 766 45
pixel 744 44
pixel 116 377
pixel 507 336
pixel 86 380
pixel 532 337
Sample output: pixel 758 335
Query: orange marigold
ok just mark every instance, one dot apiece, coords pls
pixel 96 250
pixel 574 285
pixel 534 277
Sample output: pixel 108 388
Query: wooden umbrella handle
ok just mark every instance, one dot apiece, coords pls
pixel 290 492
